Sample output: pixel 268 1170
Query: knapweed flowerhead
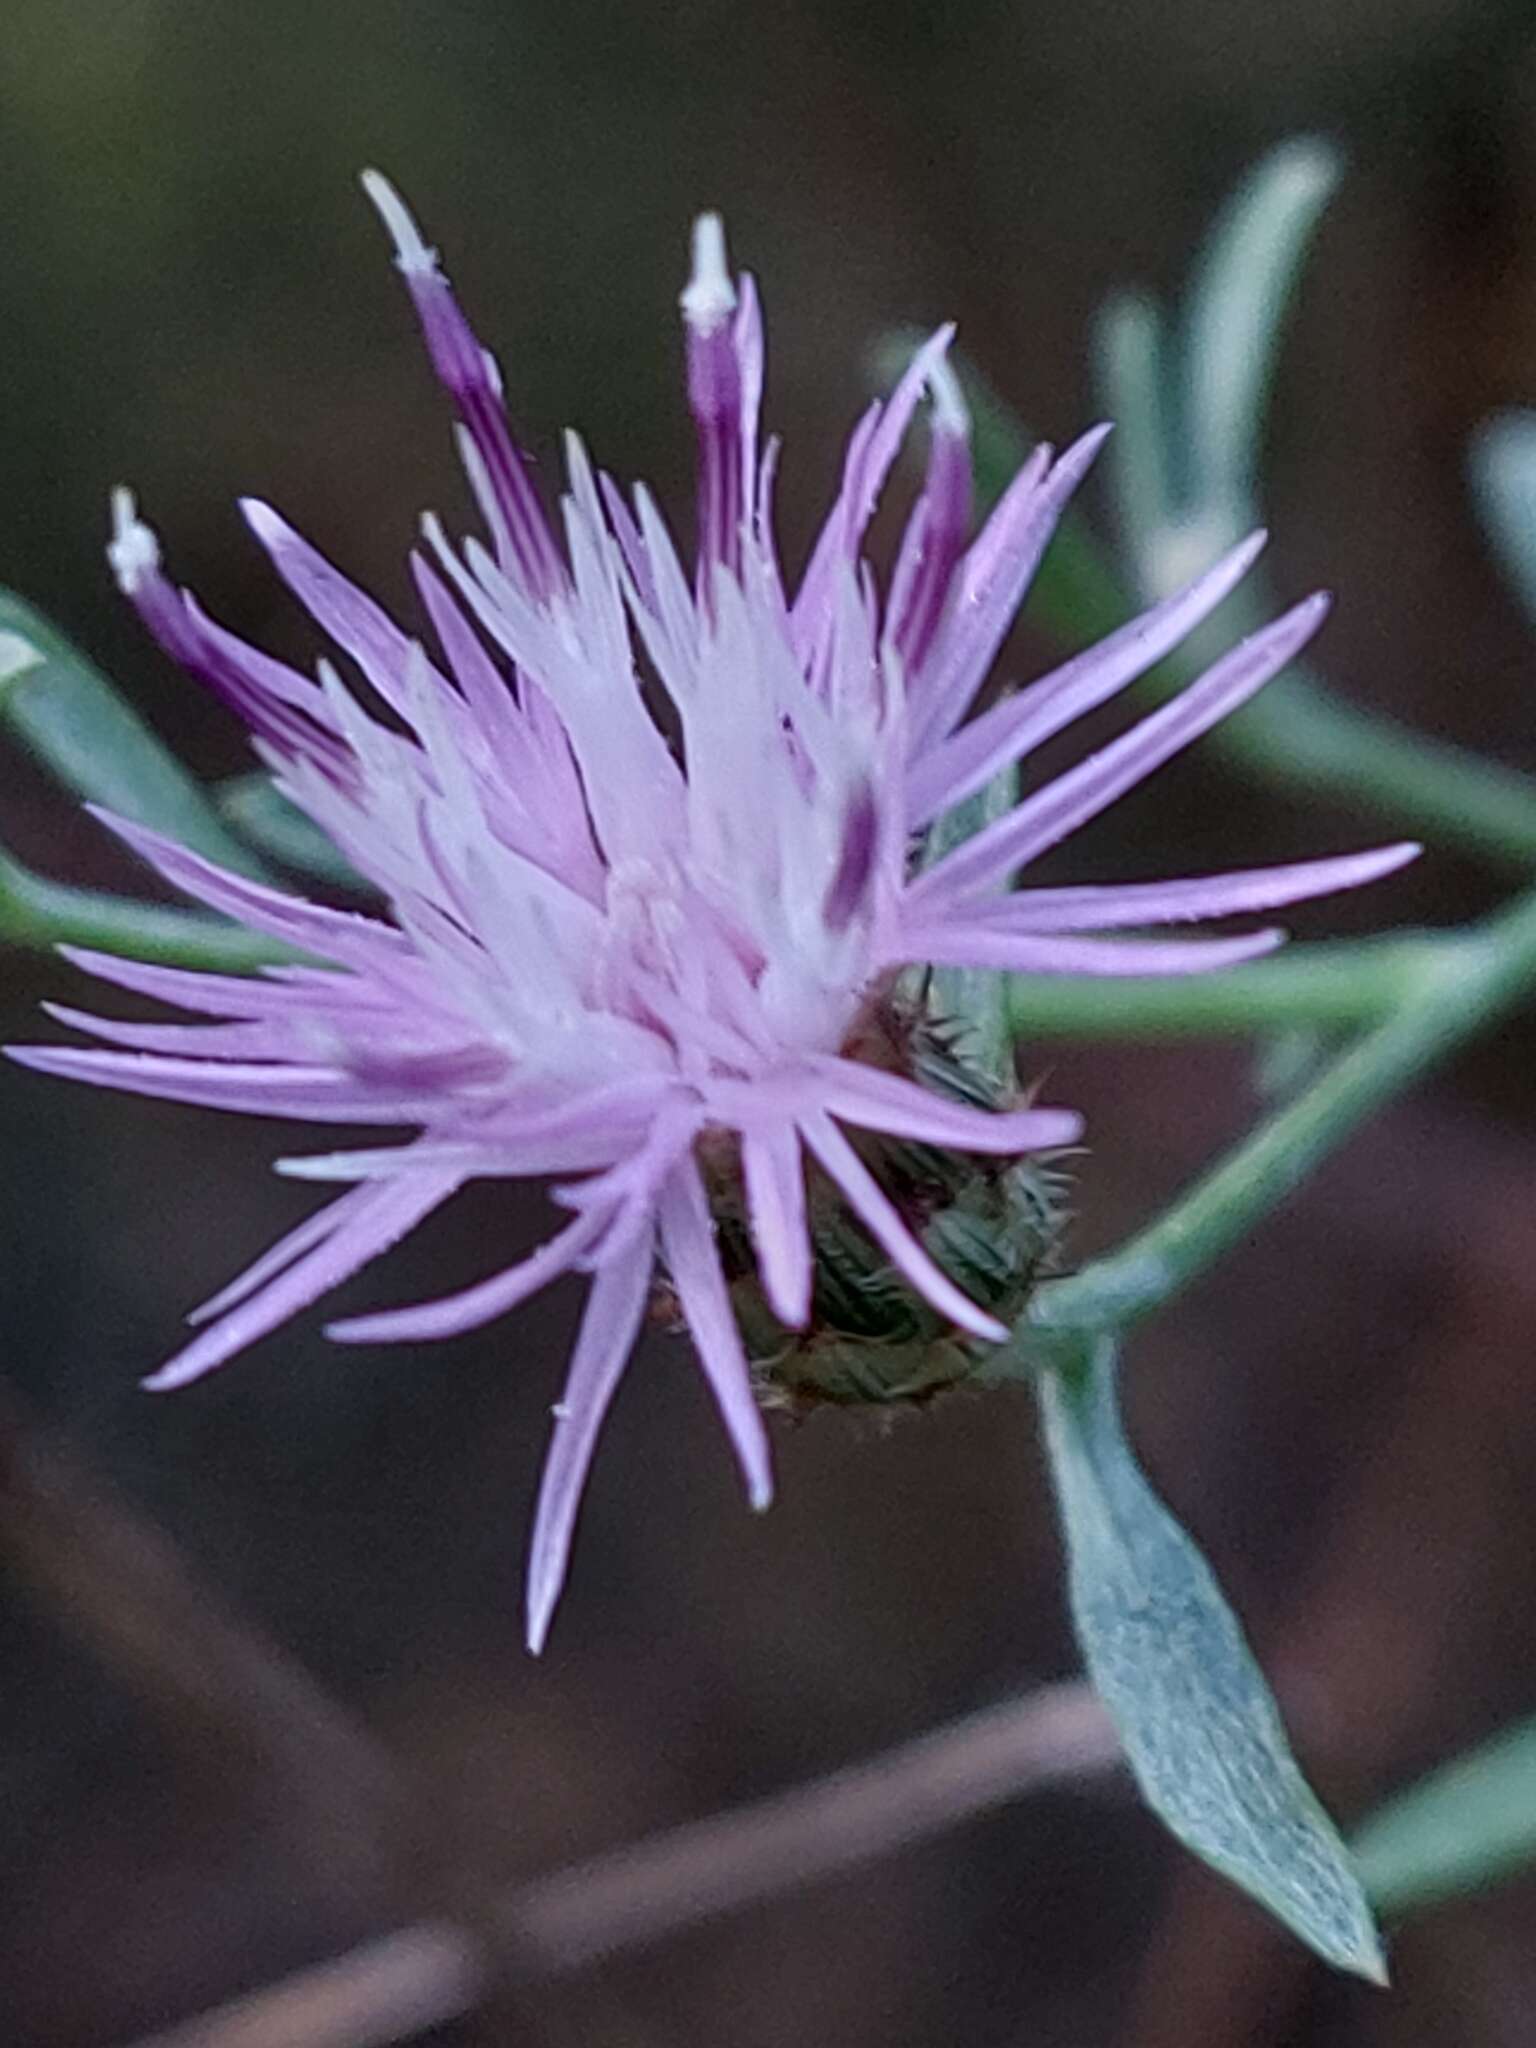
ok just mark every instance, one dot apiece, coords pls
pixel 669 976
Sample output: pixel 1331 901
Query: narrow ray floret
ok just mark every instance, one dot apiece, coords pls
pixel 671 981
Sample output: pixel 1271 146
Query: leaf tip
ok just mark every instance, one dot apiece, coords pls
pixel 17 656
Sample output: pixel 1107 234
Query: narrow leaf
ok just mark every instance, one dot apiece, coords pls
pixel 1244 278
pixel 16 657
pixel 1502 464
pixel 66 712
pixel 260 813
pixel 1463 1827
pixel 976 996
pixel 1168 1658
pixel 1131 353
pixel 37 912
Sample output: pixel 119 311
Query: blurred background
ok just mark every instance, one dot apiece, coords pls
pixel 198 301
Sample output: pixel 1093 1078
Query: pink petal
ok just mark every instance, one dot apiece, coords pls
pixel 285 1089
pixel 989 586
pixel 631 1129
pixel 688 1246
pixel 477 675
pixel 254 1041
pixel 279 705
pixel 372 1227
pixel 724 409
pixel 856 860
pixel 321 1224
pixel 934 539
pixel 775 1179
pixel 355 621
pixel 1106 906
pixel 1082 792
pixel 951 771
pixel 961 945
pixel 216 995
pixel 872 449
pixel 451 1314
pixel 525 543
pixel 879 1101
pixel 608 1330
pixel 344 935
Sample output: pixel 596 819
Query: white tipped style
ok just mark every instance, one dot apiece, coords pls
pixel 411 252
pixel 133 553
pixel 709 298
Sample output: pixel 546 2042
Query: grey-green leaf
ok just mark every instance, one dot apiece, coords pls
pixel 1244 277
pixel 1465 1826
pixel 37 912
pixel 1130 348
pixel 259 812
pixel 1502 465
pixel 1168 1657
pixel 68 714
pixel 976 996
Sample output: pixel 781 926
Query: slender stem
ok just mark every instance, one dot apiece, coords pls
pixel 1460 993
pixel 1333 984
pixel 37 912
pixel 729 1861
pixel 382 1992
pixel 108 1576
pixel 390 1989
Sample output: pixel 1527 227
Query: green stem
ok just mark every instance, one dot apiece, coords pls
pixel 1472 981
pixel 35 912
pixel 1332 985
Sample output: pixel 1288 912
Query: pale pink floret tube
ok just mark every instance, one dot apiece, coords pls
pixel 591 950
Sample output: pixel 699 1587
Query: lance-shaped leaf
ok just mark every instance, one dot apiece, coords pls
pixel 1168 1657
pixel 976 997
pixel 66 712
pixel 1244 279
pixel 260 813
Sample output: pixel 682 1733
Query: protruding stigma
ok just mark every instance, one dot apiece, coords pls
pixel 412 254
pixel 951 415
pixel 710 296
pixel 133 551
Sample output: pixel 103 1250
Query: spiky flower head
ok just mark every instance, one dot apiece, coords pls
pixel 646 971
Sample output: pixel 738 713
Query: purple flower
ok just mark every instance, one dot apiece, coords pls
pixel 608 960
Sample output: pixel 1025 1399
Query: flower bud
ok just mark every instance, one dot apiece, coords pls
pixel 992 1225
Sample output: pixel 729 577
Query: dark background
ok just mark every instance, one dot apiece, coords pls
pixel 194 298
